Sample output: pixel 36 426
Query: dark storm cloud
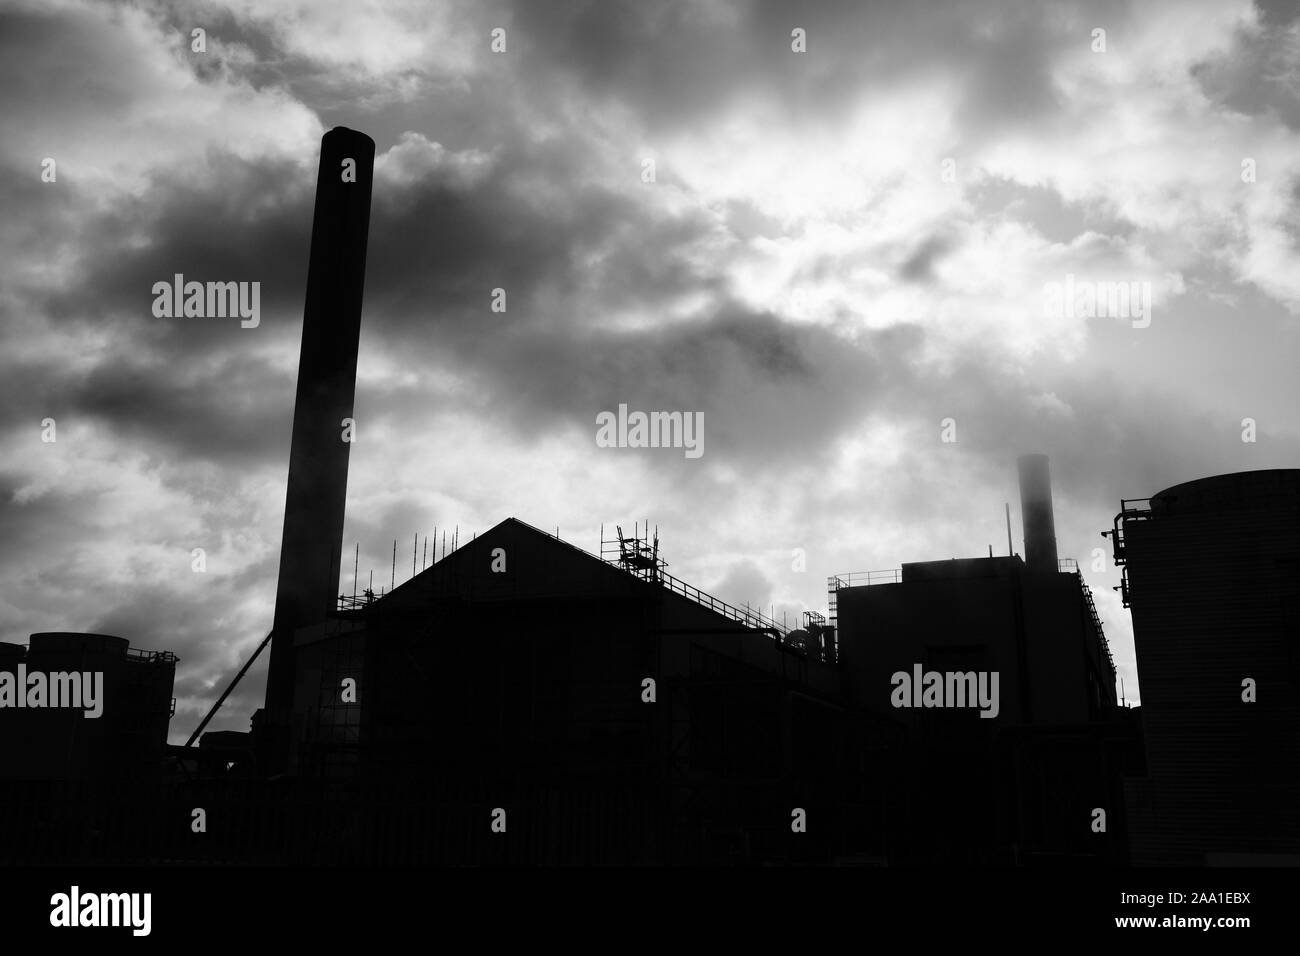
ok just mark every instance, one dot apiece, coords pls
pixel 672 60
pixel 184 619
pixel 184 386
pixel 691 364
pixel 677 63
pixel 439 250
pixel 254 48
pixel 25 529
pixel 770 391
pixel 269 61
pixel 232 219
pixel 235 410
pixel 572 256
pixel 39 221
pixel 1278 12
pixel 1259 73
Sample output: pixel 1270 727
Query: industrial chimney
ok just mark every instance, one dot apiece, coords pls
pixel 311 547
pixel 1036 513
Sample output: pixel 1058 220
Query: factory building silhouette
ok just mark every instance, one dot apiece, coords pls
pixel 1031 777
pixel 524 701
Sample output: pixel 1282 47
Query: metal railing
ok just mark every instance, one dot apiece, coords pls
pixel 856 579
pixel 1096 619
pixel 746 616
pixel 151 657
pixel 1130 509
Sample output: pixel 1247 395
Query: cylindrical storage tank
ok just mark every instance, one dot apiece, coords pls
pixel 66 742
pixel 1036 513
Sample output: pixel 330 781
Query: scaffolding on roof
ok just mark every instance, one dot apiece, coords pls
pixel 639 556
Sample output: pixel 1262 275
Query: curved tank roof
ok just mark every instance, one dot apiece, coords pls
pixel 56 642
pixel 1242 490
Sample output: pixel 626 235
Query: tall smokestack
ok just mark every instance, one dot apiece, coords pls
pixel 311 547
pixel 1036 513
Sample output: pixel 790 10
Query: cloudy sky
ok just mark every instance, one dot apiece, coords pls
pixel 841 248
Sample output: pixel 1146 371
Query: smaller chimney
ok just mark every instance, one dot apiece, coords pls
pixel 1036 513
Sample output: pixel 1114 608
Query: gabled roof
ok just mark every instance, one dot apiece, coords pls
pixel 516 561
